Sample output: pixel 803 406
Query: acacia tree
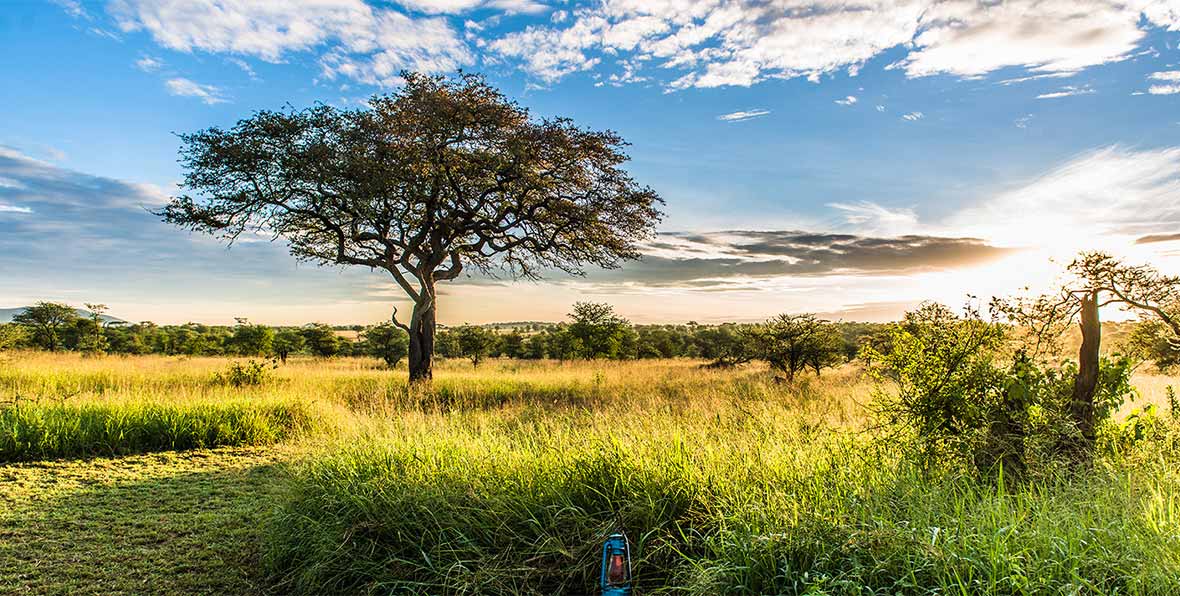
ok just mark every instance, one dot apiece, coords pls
pixel 386 342
pixel 286 342
pixel 475 342
pixel 47 321
pixel 792 343
pixel 1095 280
pixel 442 176
pixel 599 331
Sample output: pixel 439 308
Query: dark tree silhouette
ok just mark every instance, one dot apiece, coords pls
pixel 444 175
pixel 1096 280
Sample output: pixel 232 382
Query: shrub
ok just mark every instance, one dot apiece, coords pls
pixel 251 374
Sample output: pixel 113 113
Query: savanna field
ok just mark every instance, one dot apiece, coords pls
pixel 167 475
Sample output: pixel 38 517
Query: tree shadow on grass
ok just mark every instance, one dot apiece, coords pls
pixel 192 532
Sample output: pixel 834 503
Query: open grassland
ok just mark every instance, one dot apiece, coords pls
pixel 505 479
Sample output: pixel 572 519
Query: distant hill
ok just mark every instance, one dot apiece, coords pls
pixel 6 315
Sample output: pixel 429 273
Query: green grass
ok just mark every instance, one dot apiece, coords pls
pixel 747 502
pixel 166 523
pixel 52 430
pixel 505 479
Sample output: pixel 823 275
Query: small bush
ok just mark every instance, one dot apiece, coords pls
pixel 251 374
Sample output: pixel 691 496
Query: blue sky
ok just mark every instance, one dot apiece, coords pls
pixel 849 158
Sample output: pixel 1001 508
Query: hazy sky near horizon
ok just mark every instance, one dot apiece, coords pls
pixel 849 158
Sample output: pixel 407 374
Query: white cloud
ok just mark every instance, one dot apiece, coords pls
pixel 5 208
pixel 880 108
pixel 913 116
pixel 1055 36
pixel 1022 122
pixel 742 115
pixel 461 6
pixel 1171 84
pixel 847 101
pixel 354 38
pixel 1067 91
pixel 711 43
pixel 149 64
pixel 183 87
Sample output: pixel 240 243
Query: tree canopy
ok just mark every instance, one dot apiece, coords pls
pixel 441 176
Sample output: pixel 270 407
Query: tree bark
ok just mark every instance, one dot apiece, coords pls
pixel 1081 407
pixel 421 357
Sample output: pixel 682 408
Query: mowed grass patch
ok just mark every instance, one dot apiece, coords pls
pixel 43 430
pixel 165 523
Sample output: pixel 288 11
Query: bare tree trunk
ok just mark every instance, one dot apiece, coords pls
pixel 1081 407
pixel 421 357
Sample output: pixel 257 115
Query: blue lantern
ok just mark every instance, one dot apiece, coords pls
pixel 616 566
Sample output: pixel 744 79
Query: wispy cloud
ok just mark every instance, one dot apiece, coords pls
pixel 149 64
pixel 72 8
pixel 874 218
pixel 847 101
pixel 913 116
pixel 4 208
pixel 1067 91
pixel 1094 198
pixel 183 87
pixel 742 115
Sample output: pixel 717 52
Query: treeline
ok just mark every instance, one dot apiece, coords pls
pixel 593 331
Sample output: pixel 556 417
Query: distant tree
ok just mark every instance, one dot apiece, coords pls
pixel 534 346
pixel 512 345
pixel 475 342
pixel 726 345
pixel 792 343
pixel 598 331
pixel 46 322
pixel 562 345
pixel 321 340
pixel 439 176
pixel 447 344
pixel 1096 280
pixel 12 336
pixel 92 340
pixel 252 340
pixel 287 342
pixel 386 342
pixel 1153 340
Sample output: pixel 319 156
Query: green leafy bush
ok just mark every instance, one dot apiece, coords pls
pixel 251 374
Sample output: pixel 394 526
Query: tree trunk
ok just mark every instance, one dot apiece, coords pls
pixel 1081 407
pixel 422 343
